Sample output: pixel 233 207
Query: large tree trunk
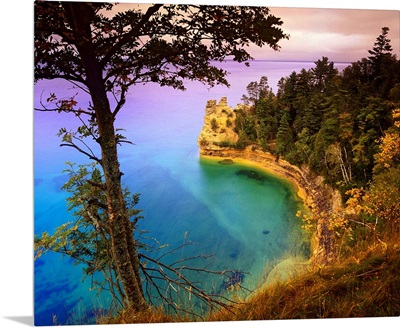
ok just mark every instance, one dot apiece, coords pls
pixel 120 228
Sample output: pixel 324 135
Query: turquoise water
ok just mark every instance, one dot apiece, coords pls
pixel 241 215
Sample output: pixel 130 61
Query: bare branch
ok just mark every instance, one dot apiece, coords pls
pixel 98 160
pixel 214 301
pixel 75 111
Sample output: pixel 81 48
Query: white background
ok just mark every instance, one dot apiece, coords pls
pixel 16 166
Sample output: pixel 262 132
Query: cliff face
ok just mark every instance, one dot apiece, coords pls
pixel 217 141
pixel 218 129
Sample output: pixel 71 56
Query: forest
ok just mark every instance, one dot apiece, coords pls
pixel 344 125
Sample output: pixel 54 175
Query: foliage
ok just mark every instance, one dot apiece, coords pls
pixel 87 239
pixel 214 124
pixel 165 43
pixel 363 279
pixel 330 121
pixel 256 91
pixel 284 136
pixel 379 205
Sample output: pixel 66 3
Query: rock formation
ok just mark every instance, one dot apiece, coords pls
pixel 218 129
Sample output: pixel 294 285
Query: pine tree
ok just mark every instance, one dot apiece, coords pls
pixel 381 62
pixel 323 73
pixel 381 47
pixel 284 137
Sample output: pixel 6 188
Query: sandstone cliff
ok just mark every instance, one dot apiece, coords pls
pixel 218 129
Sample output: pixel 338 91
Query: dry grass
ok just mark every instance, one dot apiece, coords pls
pixel 150 316
pixel 366 284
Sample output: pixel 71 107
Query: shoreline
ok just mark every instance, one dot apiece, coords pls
pixel 310 189
pixel 272 170
pixel 266 162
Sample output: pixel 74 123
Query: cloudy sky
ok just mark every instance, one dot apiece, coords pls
pixel 342 35
pixel 339 34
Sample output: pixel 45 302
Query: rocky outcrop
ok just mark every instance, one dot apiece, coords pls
pixel 318 196
pixel 218 129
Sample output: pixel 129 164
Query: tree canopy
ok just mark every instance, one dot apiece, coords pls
pixel 156 43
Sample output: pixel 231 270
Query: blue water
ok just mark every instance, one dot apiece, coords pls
pixel 223 211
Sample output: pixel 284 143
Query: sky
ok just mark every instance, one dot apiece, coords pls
pixel 16 130
pixel 342 35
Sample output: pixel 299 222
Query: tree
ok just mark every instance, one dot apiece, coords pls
pixel 379 204
pixel 382 48
pixel 389 147
pixel 284 137
pixel 256 91
pixel 214 124
pixel 86 239
pixel 267 117
pixel 337 157
pixel 104 57
pixel 383 64
pixel 356 80
pixel 323 73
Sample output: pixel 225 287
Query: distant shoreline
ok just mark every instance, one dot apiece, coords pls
pixel 289 61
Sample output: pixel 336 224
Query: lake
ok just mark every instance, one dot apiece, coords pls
pixel 248 224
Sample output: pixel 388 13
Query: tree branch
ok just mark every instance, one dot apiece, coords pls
pixel 52 76
pixel 214 301
pixel 129 36
pixel 98 160
pixel 75 111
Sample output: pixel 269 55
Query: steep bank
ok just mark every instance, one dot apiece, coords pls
pixel 215 141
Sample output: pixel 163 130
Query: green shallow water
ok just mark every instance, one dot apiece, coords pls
pixel 242 215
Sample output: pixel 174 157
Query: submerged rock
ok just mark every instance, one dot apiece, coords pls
pixel 234 255
pixel 236 277
pixel 226 162
pixel 266 232
pixel 252 175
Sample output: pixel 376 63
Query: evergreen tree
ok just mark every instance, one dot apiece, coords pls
pixel 382 48
pixel 323 73
pixel 284 137
pixel 382 64
pixel 267 116
pixel 256 91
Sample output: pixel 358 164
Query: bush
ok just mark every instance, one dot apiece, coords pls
pixel 203 143
pixel 214 124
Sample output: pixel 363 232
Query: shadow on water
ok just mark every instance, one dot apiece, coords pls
pixel 253 175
